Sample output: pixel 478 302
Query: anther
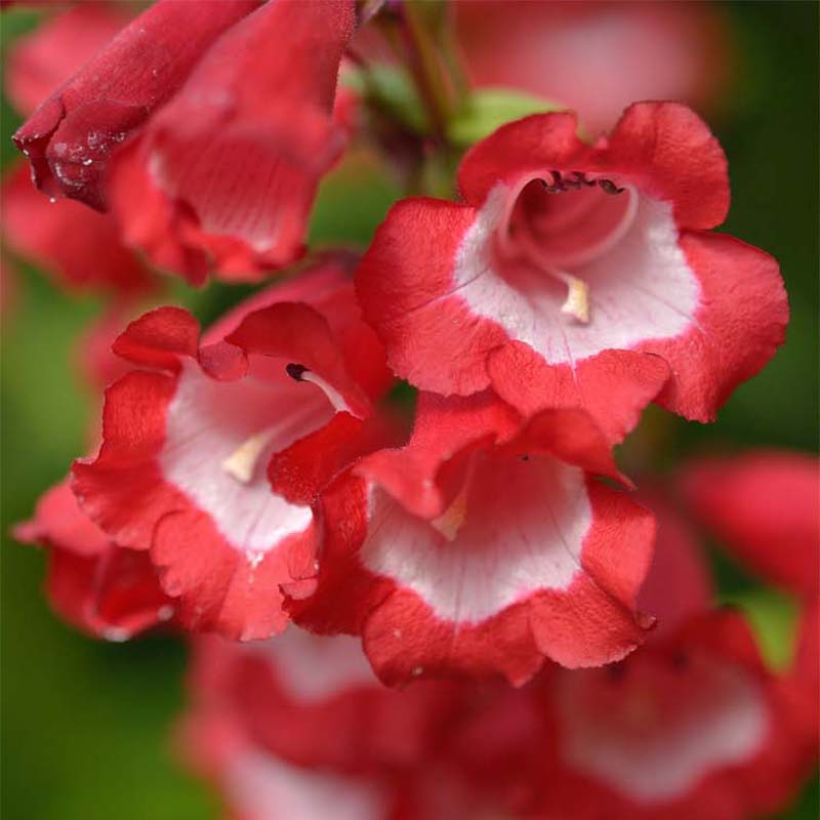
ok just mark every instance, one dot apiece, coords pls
pixel 296 371
pixel 609 187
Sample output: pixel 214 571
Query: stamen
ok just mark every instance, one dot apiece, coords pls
pixel 451 520
pixel 577 301
pixel 241 463
pixel 300 373
pixel 609 187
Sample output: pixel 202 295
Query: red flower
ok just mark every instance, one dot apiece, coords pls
pixel 694 726
pixel 181 471
pixel 577 275
pixel 765 508
pixel 79 247
pixel 298 728
pixel 94 584
pixel 596 58
pixel 227 172
pixel 70 137
pixel 314 701
pixel 256 786
pixel 482 546
pixel 678 585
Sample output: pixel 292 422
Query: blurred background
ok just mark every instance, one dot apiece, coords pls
pixel 87 726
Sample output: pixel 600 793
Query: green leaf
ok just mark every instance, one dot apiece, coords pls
pixel 488 108
pixel 773 618
pixel 391 92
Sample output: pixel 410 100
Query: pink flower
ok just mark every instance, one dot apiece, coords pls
pixel 764 507
pixel 594 57
pixel 579 276
pixel 92 582
pixel 314 701
pixel 694 726
pixel 70 137
pixel 80 248
pixel 256 786
pixel 225 175
pixel 483 546
pixel 678 585
pixel 188 435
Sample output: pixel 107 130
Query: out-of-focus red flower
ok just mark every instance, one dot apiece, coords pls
pixel 579 276
pixel 289 727
pixel 678 585
pixel 225 175
pixel 353 745
pixel 597 58
pixel 39 62
pixel 765 508
pixel 187 437
pixel 483 546
pixel 694 726
pixel 254 785
pixel 94 584
pixel 79 247
pixel 314 701
pixel 69 138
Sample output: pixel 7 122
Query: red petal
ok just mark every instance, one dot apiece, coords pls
pixel 80 248
pixel 678 585
pixel 765 508
pixel 740 323
pixel 304 469
pixel 613 387
pixel 671 153
pixel 114 595
pixel 59 522
pixel 159 338
pixel 406 288
pixel 302 335
pixel 528 146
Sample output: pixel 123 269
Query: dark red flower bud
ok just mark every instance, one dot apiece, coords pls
pixel 70 136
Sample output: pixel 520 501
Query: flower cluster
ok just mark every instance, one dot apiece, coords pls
pixel 390 577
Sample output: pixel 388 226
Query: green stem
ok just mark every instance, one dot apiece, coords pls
pixel 426 68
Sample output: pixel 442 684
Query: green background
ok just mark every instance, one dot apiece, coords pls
pixel 86 725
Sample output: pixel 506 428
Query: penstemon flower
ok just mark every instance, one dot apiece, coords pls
pixel 483 546
pixel 226 173
pixel 438 598
pixel 93 583
pixel 576 275
pixel 188 434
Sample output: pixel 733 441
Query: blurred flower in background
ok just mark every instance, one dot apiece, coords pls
pixel 240 480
